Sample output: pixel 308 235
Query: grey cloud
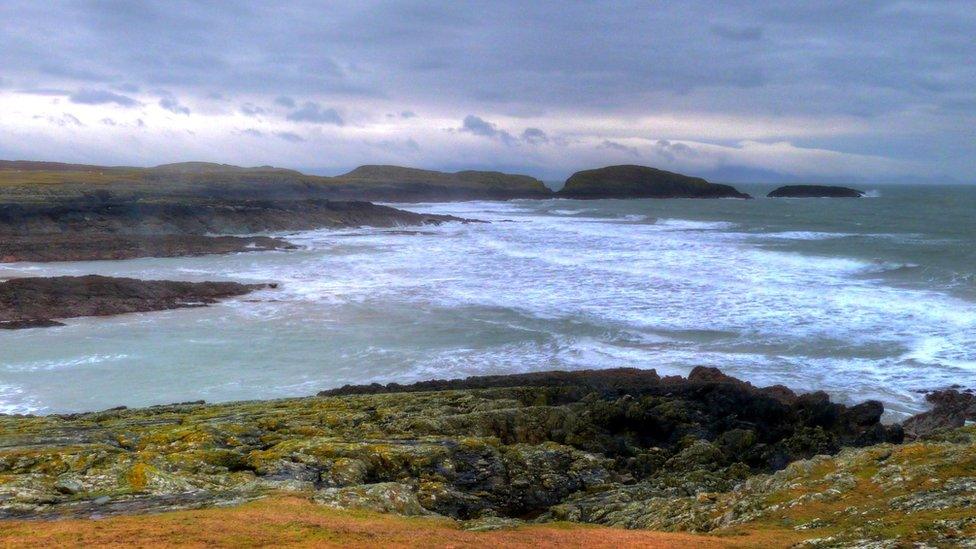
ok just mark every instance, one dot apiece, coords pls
pixel 738 34
pixel 672 151
pixel 534 136
pixel 290 136
pixel 44 91
pixel 285 101
pixel 251 109
pixel 619 147
pixel 313 112
pixel 479 126
pixel 408 114
pixel 109 122
pixel 102 97
pixel 253 132
pixel 876 61
pixel 173 105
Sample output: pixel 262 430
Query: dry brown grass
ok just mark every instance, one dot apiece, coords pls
pixel 296 522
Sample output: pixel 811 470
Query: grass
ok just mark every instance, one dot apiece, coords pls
pixel 290 521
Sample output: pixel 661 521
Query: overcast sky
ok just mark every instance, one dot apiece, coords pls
pixel 774 91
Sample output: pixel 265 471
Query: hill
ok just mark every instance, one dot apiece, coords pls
pixel 631 181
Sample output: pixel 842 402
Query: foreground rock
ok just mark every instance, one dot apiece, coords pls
pixel 952 409
pixel 37 302
pixel 631 181
pixel 515 446
pixel 815 191
pixel 95 247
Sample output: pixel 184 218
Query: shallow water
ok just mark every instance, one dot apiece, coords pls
pixel 871 298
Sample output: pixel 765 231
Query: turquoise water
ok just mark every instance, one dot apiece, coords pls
pixel 870 298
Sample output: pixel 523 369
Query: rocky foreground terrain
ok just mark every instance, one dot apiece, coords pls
pixel 623 448
pixel 40 302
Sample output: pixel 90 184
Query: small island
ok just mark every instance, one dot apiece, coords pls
pixel 815 191
pixel 630 181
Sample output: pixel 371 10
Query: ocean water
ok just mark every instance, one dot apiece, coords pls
pixel 871 298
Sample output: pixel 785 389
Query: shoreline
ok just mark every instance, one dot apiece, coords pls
pixel 621 448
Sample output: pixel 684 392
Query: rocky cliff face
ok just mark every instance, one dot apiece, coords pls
pixel 815 191
pixel 630 181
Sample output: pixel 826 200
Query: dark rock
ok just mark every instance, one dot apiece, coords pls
pixel 631 181
pixel 29 323
pixel 815 191
pixel 33 302
pixel 952 409
pixel 73 246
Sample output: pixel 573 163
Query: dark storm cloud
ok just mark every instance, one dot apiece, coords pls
pixel 102 97
pixel 899 66
pixel 313 112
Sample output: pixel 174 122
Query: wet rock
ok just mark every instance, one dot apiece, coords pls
pixel 33 302
pixel 952 409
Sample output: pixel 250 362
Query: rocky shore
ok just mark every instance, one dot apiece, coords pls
pixel 624 447
pixel 41 302
pixel 94 247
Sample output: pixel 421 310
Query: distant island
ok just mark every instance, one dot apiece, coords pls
pixel 32 181
pixel 815 191
pixel 630 181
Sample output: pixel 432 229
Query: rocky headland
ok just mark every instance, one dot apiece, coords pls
pixel 621 447
pixel 814 191
pixel 630 181
pixel 42 302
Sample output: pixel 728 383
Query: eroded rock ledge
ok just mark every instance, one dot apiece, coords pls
pixel 38 302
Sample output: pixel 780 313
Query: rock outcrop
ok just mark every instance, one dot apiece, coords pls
pixel 629 181
pixel 952 409
pixel 106 215
pixel 38 302
pixel 815 191
pixel 509 448
pixel 95 247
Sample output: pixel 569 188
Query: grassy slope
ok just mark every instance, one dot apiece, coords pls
pixel 40 181
pixel 295 522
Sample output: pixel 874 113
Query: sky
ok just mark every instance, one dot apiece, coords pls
pixel 777 91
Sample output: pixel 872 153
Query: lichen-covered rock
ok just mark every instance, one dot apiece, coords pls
pixel 382 497
pixel 623 447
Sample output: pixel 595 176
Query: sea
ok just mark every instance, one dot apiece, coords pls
pixel 870 298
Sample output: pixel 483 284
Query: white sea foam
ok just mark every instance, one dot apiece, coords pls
pixel 587 286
